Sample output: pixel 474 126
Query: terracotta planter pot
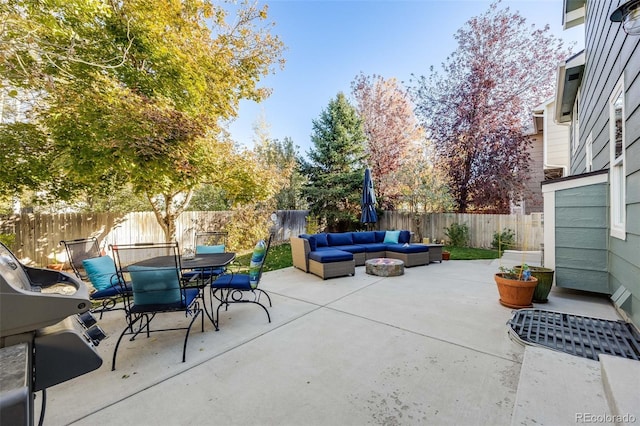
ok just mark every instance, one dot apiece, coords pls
pixel 515 293
pixel 545 281
pixel 56 266
pixel 446 255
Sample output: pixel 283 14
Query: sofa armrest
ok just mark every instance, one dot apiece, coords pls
pixel 300 249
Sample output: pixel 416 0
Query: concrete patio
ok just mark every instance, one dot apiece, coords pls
pixel 428 347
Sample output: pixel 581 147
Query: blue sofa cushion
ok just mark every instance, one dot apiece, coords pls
pixel 351 248
pixel 364 237
pixel 313 243
pixel 340 239
pixel 391 237
pixel 321 240
pixel 407 248
pixel 210 249
pixel 328 256
pixel 404 237
pixel 370 248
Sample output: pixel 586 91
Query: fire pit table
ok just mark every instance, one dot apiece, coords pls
pixel 384 267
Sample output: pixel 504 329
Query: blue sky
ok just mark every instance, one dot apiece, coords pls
pixel 329 42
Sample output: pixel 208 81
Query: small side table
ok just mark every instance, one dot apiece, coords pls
pixel 435 252
pixel 384 267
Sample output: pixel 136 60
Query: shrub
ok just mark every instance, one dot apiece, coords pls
pixel 8 240
pixel 504 239
pixel 458 234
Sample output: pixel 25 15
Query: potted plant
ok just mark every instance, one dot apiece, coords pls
pixel 516 286
pixel 55 263
pixel 545 281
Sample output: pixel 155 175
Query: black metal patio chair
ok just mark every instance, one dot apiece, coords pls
pixel 90 265
pixel 234 287
pixel 153 271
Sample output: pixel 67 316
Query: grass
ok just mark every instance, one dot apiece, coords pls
pixel 469 253
pixel 279 257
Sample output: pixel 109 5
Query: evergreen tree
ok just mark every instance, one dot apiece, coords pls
pixel 334 170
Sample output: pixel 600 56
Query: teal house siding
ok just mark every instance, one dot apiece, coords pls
pixel 612 60
pixel 581 238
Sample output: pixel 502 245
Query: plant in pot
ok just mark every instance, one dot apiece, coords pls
pixel 545 281
pixel 516 286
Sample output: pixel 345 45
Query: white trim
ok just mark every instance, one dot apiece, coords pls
pixel 573 18
pixel 617 166
pixel 575 183
pixel 549 228
pixel 588 156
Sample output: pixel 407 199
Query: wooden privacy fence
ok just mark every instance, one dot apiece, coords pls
pixel 528 229
pixel 37 235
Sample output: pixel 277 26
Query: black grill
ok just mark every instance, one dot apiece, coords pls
pixel 576 335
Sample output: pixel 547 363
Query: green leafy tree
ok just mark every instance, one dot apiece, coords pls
pixel 334 171
pixel 135 93
pixel 283 155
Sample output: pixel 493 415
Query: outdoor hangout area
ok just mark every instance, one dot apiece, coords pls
pixel 428 347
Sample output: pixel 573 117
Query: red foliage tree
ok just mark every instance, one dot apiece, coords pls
pixel 476 113
pixel 392 132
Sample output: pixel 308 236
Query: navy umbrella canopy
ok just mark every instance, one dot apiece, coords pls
pixel 368 201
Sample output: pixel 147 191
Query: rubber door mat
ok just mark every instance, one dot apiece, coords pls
pixel 574 334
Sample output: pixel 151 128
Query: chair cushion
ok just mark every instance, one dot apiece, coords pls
pixel 368 237
pixel 331 255
pixel 233 281
pixel 154 286
pixel 100 271
pixel 391 237
pixel 407 248
pixel 379 236
pixel 190 294
pixel 210 249
pixel 259 252
pixel 404 237
pixel 340 239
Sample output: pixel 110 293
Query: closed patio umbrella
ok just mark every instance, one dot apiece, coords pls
pixel 368 201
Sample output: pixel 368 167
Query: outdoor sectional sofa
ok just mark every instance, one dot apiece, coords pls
pixel 329 255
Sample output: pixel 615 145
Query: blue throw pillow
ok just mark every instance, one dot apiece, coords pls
pixel 210 249
pixel 404 237
pixel 391 237
pixel 100 271
pixel 154 286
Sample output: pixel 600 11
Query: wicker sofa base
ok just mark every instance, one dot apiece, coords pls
pixel 332 269
pixel 410 259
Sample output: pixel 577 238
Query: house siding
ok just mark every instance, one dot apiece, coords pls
pixel 556 136
pixel 581 238
pixel 609 55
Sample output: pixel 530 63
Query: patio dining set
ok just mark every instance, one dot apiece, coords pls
pixel 145 280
